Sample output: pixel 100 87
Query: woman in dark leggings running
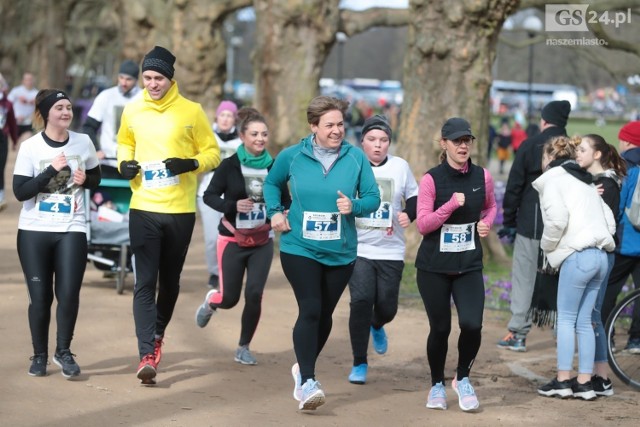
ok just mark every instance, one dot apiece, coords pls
pixel 331 182
pixel 52 241
pixel 456 206
pixel 228 192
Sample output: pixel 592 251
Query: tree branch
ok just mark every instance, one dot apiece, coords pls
pixel 352 22
pixel 613 44
pixel 599 6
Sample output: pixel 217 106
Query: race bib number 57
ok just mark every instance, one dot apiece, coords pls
pixel 321 225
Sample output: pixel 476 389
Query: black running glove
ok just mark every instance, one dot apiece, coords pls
pixel 178 166
pixel 129 169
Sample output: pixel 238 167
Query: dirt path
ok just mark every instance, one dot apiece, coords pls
pixel 200 384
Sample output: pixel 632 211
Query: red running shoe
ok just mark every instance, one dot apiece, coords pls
pixel 157 350
pixel 147 369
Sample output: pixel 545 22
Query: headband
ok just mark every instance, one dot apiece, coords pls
pixel 49 101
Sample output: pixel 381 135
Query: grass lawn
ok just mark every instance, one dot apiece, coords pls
pixel 586 126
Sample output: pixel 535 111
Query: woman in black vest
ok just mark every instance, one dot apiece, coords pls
pixel 456 206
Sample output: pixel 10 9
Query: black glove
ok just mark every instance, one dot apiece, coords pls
pixel 129 169
pixel 509 233
pixel 178 166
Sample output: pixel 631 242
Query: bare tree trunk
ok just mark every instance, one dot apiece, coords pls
pixel 447 73
pixel 293 40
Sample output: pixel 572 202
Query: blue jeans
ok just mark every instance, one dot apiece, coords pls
pixel 581 275
pixel 596 315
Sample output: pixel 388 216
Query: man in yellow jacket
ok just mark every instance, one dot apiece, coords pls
pixel 164 141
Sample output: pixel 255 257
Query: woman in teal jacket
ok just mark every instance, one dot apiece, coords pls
pixel 331 183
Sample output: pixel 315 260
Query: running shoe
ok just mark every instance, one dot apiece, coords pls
pixel 204 311
pixel 38 365
pixel 297 387
pixel 64 359
pixel 147 369
pixel 467 399
pixel 437 397
pixel 633 346
pixel 157 349
pixel 358 374
pixel 602 386
pixel 379 340
pixel 513 343
pixel 312 395
pixel 582 391
pixel 244 356
pixel 556 388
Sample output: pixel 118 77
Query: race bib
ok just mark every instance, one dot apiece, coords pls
pixel 321 225
pixel 156 175
pixel 253 219
pixel 382 218
pixel 55 207
pixel 457 237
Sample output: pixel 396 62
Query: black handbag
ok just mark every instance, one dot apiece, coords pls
pixel 544 302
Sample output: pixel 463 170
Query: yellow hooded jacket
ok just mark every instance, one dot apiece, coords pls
pixel 152 131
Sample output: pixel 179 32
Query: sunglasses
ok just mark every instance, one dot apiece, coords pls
pixel 464 140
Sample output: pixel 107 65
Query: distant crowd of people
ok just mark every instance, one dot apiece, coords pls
pixel 340 211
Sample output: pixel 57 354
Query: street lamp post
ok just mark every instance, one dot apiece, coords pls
pixel 532 25
pixel 341 38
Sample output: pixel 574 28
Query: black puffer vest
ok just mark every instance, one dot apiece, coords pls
pixel 447 181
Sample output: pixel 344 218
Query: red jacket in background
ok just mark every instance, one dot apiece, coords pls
pixel 518 135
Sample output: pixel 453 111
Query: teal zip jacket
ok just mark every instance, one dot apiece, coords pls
pixel 315 194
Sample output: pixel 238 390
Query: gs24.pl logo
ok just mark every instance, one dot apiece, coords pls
pixel 575 17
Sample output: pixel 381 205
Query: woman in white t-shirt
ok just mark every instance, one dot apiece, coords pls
pixel 52 170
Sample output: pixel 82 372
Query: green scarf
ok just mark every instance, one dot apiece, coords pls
pixel 262 161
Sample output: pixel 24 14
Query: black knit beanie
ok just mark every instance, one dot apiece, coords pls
pixel 129 68
pixel 161 60
pixel 556 113
pixel 376 122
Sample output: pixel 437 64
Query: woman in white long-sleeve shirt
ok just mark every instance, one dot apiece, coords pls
pixel 578 229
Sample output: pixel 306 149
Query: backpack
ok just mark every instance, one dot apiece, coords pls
pixel 633 211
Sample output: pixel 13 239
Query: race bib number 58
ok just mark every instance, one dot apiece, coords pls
pixel 457 237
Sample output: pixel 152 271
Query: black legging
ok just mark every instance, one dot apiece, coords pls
pixel 4 152
pixel 159 243
pixel 235 260
pixel 374 288
pixel 317 288
pixel 45 256
pixel 436 291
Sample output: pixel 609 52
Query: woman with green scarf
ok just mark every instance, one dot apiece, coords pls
pixel 236 191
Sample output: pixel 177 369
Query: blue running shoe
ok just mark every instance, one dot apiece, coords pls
pixel 437 397
pixel 467 399
pixel 379 340
pixel 312 395
pixel 297 386
pixel 358 374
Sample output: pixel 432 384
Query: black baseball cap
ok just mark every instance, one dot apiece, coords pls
pixel 455 128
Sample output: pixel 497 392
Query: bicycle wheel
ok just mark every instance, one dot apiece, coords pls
pixel 624 364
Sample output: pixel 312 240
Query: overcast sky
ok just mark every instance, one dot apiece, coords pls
pixel 365 4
